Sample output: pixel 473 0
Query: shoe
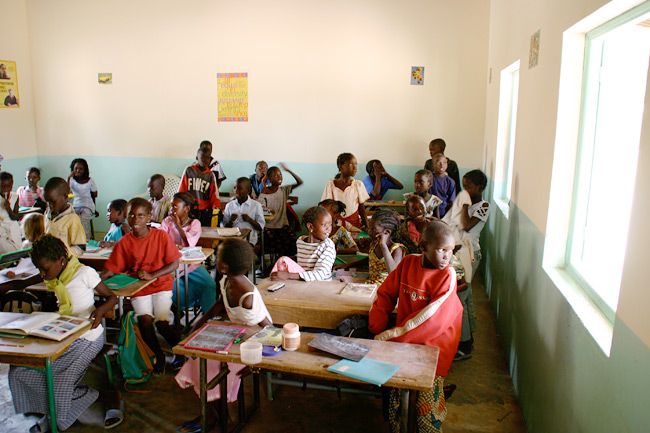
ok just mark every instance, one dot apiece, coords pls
pixel 194 426
pixel 41 426
pixel 177 364
pixel 461 356
pixel 159 371
pixel 114 417
pixel 448 390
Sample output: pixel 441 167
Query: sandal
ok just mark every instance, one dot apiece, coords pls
pixel 114 417
pixel 194 426
pixel 461 356
pixel 41 426
pixel 159 371
pixel 177 363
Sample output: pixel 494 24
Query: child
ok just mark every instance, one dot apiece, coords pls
pixel 438 146
pixel 199 181
pixel 258 179
pixel 214 166
pixel 343 240
pixel 378 181
pixel 409 232
pixel 9 229
pixel 422 182
pixel 116 214
pixel 244 306
pixel 60 219
pixel 9 199
pixel 443 186
pixel 350 191
pixel 159 203
pixel 428 312
pixel 316 252
pixel 148 253
pixel 244 212
pixel 30 194
pixel 278 236
pixel 185 231
pixel 33 227
pixel 85 191
pixel 74 285
pixel 384 254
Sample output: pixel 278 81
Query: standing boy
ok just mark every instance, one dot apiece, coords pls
pixel 438 146
pixel 214 165
pixel 61 220
pixel 199 181
pixel 443 186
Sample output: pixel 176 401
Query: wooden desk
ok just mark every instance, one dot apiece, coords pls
pixel 384 203
pixel 417 372
pixel 209 236
pixel 316 304
pixel 96 260
pixel 36 353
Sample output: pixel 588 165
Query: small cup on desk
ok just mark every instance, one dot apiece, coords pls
pixel 251 352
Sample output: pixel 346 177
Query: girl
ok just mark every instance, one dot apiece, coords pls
pixel 316 252
pixel 384 254
pixel 244 306
pixel 30 194
pixel 74 285
pixel 185 231
pixel 85 191
pixel 278 236
pixel 350 191
pixel 341 237
pixel 9 229
pixel 116 214
pixel 33 226
pixel 410 230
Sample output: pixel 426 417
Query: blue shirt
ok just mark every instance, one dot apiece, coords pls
pixel 386 184
pixel 257 184
pixel 445 189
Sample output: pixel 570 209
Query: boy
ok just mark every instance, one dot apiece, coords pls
pixel 244 212
pixel 422 182
pixel 443 186
pixel 199 181
pixel 149 254
pixel 257 179
pixel 160 203
pixel 428 312
pixel 378 181
pixel 10 202
pixel 61 220
pixel 214 166
pixel 10 239
pixel 438 146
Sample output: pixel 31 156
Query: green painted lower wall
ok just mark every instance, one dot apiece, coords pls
pixel 564 381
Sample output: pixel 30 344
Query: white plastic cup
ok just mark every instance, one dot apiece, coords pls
pixel 251 352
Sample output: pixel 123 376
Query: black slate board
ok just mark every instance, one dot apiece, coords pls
pixel 340 346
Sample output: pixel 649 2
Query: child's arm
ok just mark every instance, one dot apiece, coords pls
pixel 384 303
pixel 93 191
pixel 107 306
pixel 13 213
pixel 295 176
pixel 467 221
pixel 256 225
pixel 364 217
pixel 461 285
pixel 391 259
pixel 179 227
pixel 397 183
pixel 167 269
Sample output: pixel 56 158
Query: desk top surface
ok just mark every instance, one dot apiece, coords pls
pixel 418 362
pixel 211 233
pixel 128 290
pixel 384 203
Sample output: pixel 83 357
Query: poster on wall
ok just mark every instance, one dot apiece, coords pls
pixel 417 75
pixel 233 97
pixel 533 55
pixel 9 85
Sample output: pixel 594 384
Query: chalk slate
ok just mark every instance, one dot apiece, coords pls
pixel 340 346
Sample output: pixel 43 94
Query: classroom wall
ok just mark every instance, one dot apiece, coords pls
pixel 324 78
pixel 564 380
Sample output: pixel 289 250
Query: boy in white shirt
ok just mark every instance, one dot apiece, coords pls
pixel 243 211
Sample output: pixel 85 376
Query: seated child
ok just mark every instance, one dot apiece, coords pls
pixel 258 179
pixel 199 181
pixel 409 232
pixel 438 146
pixel 243 211
pixel 214 165
pixel 60 219
pixel 278 236
pixel 443 186
pixel 384 254
pixel 159 203
pixel 74 286
pixel 10 239
pixel 422 182
pixel 116 214
pixel 29 195
pixel 316 252
pixel 148 253
pixel 33 227
pixel 10 200
pixel 378 181
pixel 350 191
pixel 343 240
pixel 244 306
pixel 428 312
pixel 185 231
pixel 85 191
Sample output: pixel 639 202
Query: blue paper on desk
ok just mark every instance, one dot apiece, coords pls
pixel 368 370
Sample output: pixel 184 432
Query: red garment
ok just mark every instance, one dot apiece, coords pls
pixel 429 311
pixel 201 183
pixel 151 253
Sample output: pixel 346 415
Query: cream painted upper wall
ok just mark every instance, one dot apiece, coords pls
pixel 324 77
pixel 17 138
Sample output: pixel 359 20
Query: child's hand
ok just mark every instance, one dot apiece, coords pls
pixel 283 166
pixel 106 244
pixel 98 315
pixel 383 238
pixel 5 204
pixel 144 275
pixel 280 275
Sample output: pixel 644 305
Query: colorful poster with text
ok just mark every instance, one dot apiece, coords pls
pixel 9 85
pixel 233 97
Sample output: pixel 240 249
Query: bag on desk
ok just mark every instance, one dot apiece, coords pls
pixel 355 326
pixel 134 356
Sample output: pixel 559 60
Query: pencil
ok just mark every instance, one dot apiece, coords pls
pixel 12 345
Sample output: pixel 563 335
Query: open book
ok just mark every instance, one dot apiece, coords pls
pixel 359 289
pixel 46 325
pixel 193 253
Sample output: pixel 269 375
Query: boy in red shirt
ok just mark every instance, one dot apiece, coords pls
pixel 428 312
pixel 199 181
pixel 148 253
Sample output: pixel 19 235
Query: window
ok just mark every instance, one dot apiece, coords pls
pixel 507 123
pixel 613 92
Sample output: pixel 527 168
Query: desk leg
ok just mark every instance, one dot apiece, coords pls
pixel 203 374
pixel 404 410
pixel 177 319
pixel 187 297
pixel 223 401
pixel 50 394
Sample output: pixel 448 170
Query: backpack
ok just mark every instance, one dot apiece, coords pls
pixel 133 355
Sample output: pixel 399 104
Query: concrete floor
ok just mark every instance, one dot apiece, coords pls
pixel 483 402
